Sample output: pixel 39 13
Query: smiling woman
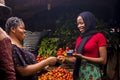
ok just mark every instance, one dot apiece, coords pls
pixel 90 49
pixel 25 63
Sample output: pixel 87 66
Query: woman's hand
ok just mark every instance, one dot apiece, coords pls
pixel 51 60
pixel 78 55
pixel 61 59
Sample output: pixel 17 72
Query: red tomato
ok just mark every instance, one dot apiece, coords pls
pixel 67 48
pixel 60 49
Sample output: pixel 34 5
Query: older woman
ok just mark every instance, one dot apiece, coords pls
pixel 24 61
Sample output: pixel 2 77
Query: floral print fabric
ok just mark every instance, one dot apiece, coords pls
pixel 89 71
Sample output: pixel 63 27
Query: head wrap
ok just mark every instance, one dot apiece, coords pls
pixel 89 20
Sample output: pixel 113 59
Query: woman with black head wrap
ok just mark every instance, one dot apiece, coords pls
pixel 90 49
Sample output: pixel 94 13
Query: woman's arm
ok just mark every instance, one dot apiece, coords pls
pixel 101 60
pixel 62 59
pixel 32 69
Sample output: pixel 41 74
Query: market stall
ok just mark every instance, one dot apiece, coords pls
pixel 59 71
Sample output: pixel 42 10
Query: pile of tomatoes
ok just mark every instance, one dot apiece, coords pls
pixel 56 74
pixel 62 52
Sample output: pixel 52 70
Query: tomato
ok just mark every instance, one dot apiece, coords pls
pixel 57 74
pixel 67 48
pixel 60 49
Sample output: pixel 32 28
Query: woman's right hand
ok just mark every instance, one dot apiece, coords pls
pixel 51 60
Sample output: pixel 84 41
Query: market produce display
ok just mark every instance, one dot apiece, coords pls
pixel 59 52
pixel 56 74
pixel 62 52
pixel 48 47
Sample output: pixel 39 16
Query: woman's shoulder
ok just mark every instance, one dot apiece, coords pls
pixel 14 46
pixel 78 38
pixel 99 34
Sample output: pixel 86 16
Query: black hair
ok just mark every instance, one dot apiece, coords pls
pixel 12 22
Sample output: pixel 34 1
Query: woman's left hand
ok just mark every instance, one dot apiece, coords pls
pixel 78 55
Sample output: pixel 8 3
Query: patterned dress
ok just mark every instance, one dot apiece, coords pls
pixel 89 71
